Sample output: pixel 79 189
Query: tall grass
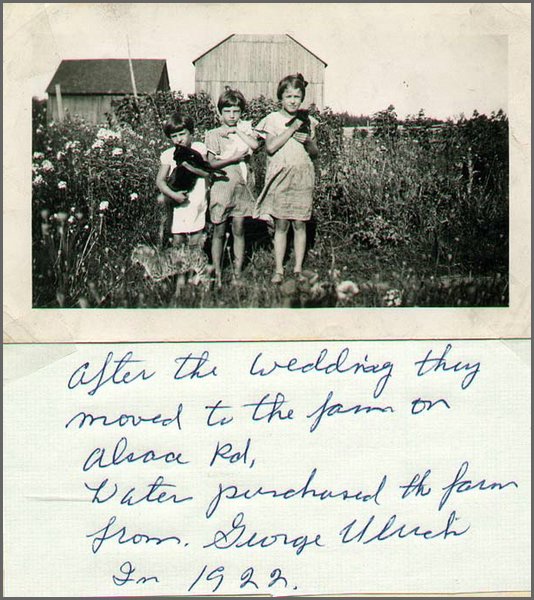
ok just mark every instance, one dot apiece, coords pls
pixel 416 217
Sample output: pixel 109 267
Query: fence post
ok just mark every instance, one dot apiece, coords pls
pixel 59 103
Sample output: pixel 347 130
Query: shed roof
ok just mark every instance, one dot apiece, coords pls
pixel 107 76
pixel 257 38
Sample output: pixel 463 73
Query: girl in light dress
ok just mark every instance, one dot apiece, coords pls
pixel 289 179
pixel 188 207
pixel 229 148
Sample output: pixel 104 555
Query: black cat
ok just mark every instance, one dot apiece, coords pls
pixel 304 116
pixel 190 166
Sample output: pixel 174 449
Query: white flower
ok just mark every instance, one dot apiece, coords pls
pixel 72 145
pixel 35 168
pixel 392 298
pixel 108 134
pixel 134 196
pixel 60 155
pixel 98 144
pixel 38 180
pixel 38 156
pixel 47 166
pixel 346 290
pixel 62 185
pixel 71 220
pixel 116 151
pixel 104 205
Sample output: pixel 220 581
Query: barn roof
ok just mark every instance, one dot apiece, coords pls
pixel 256 38
pixel 108 76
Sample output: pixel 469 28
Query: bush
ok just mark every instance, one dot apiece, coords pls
pixel 433 199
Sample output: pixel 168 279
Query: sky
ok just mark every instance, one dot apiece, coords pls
pixel 445 58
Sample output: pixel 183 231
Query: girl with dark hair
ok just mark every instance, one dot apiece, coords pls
pixel 287 194
pixel 232 197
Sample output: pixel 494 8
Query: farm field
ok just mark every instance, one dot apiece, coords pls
pixel 416 216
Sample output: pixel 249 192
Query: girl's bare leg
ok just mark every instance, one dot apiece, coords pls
pixel 217 245
pixel 299 229
pixel 195 239
pixel 179 239
pixel 238 231
pixel 280 245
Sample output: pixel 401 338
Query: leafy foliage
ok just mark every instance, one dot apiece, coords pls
pixel 415 214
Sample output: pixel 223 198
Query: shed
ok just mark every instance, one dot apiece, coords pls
pixel 89 86
pixel 254 64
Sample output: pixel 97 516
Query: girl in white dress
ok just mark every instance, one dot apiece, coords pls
pixel 188 207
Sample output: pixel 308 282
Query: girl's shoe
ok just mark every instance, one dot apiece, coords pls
pixel 277 278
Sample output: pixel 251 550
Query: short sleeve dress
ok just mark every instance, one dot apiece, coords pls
pixel 233 197
pixel 190 216
pixel 289 177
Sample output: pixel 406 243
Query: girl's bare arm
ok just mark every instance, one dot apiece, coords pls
pixel 275 142
pixel 251 142
pixel 162 186
pixel 309 143
pixel 219 163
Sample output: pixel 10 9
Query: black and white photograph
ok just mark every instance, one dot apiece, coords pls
pixel 267 288
pixel 236 162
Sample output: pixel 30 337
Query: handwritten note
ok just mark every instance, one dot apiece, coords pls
pixel 267 468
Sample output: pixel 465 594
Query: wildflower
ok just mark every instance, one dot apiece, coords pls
pixel 71 219
pixel 47 166
pixel 116 152
pixel 392 298
pixel 60 155
pixel 38 130
pixel 61 216
pixel 134 196
pixel 38 180
pixel 83 302
pixel 62 185
pixel 98 144
pixel 104 205
pixel 38 156
pixel 107 134
pixel 346 290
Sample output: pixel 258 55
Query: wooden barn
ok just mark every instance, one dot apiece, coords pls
pixel 87 87
pixel 255 64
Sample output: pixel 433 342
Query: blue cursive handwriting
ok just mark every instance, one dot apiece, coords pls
pixel 269 409
pixel 120 535
pixel 192 366
pixel 334 409
pixel 435 364
pixel 155 494
pixel 340 365
pixel 99 458
pixel 232 492
pixel 460 485
pixel 211 420
pixel 227 452
pixel 239 537
pixel 127 569
pixel 124 420
pixel 107 373
pixel 392 529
